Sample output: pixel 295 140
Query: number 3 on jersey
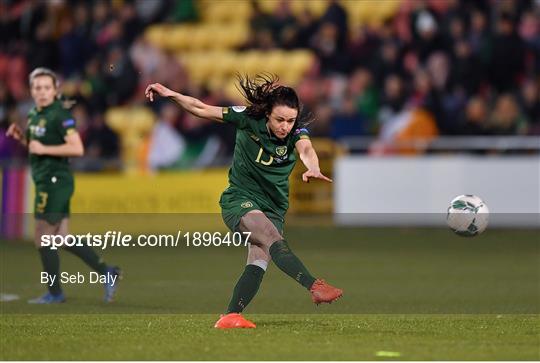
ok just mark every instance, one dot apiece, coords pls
pixel 40 207
pixel 259 156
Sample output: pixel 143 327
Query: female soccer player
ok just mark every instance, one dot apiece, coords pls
pixel 268 131
pixel 51 138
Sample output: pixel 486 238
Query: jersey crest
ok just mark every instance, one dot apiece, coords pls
pixel 281 151
pixel 246 204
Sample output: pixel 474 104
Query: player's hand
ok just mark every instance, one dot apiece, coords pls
pixel 15 132
pixel 314 174
pixel 159 89
pixel 36 147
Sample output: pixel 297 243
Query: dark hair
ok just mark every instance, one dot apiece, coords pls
pixel 263 93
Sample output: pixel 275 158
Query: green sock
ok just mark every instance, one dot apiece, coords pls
pixel 90 257
pixel 246 288
pixel 287 262
pixel 51 265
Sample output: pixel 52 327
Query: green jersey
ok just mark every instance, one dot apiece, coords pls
pixel 49 126
pixel 262 162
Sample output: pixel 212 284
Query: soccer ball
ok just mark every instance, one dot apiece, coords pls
pixel 467 215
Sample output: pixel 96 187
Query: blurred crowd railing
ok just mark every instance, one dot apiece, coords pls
pixel 454 144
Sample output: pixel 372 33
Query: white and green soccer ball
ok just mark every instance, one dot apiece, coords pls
pixel 467 215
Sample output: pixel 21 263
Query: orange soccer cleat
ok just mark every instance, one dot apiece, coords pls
pixel 321 292
pixel 233 320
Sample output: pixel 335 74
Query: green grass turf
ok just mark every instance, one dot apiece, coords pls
pixel 277 337
pixel 422 292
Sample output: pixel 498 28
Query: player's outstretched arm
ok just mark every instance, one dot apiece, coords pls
pixel 16 132
pixel 190 104
pixel 72 147
pixel 311 161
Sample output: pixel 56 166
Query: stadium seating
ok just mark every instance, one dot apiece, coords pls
pixel 134 125
pixel 208 48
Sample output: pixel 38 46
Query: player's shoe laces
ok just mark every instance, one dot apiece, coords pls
pixel 321 292
pixel 48 298
pixel 110 286
pixel 233 320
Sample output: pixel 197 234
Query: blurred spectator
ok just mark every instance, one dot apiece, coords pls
pixel 170 72
pixel 393 98
pixel 260 23
pixel 326 46
pixel 335 14
pixel 121 77
pixel 259 20
pixel 73 46
pixel 443 101
pixel 94 89
pixel 480 37
pixel 131 24
pixel 323 116
pixel 422 88
pixel 112 35
pixel 166 143
pixel 507 57
pixel 467 70
pixel 282 24
pixel 365 98
pixel 529 30
pixel 362 47
pixel 530 104
pixel 347 121
pixel 44 48
pixel 456 29
pixel 387 61
pixel 429 40
pixel 506 118
pixel 100 17
pixel 305 28
pixel 100 142
pixel 474 121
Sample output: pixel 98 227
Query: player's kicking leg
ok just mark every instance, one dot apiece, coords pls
pixel 264 233
pixel 270 243
pixel 245 289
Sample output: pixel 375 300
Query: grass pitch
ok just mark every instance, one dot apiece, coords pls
pixel 277 337
pixel 423 293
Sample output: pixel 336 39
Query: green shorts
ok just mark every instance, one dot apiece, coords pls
pixel 53 195
pixel 235 203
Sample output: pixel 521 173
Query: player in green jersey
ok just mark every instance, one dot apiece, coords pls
pixel 51 138
pixel 269 130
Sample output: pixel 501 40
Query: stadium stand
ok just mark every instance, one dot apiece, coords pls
pixel 364 68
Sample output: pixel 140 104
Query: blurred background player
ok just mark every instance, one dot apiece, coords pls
pixel 52 138
pixel 269 130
